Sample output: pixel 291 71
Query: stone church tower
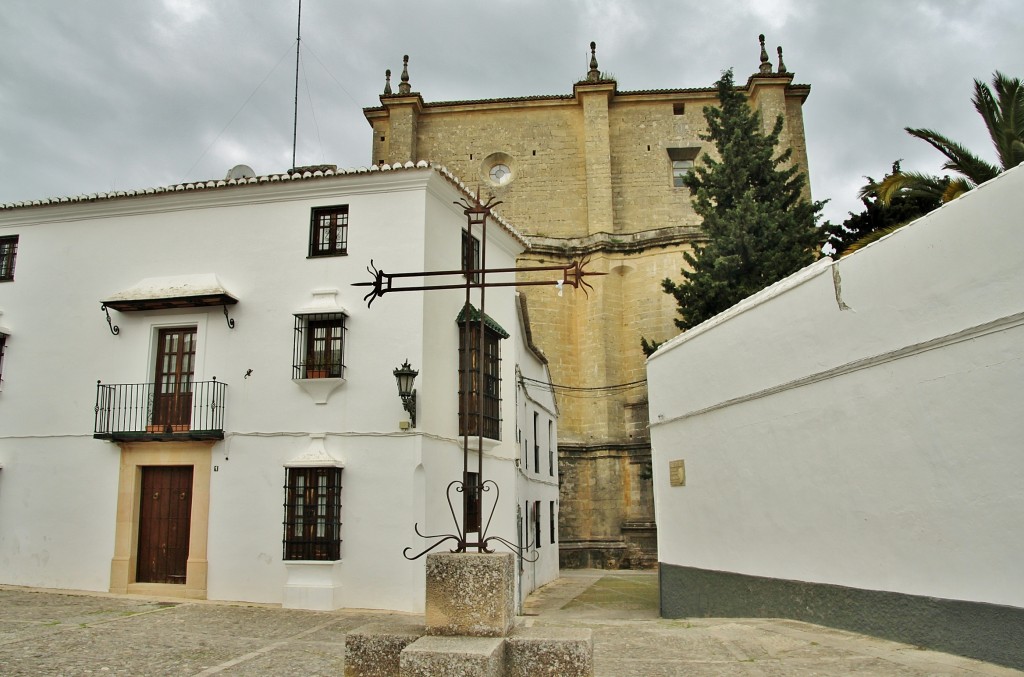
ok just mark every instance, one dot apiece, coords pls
pixel 592 174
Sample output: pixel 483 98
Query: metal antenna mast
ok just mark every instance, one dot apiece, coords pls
pixel 298 42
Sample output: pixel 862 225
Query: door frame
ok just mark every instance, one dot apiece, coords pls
pixel 124 564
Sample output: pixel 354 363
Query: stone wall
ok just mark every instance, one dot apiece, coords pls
pixel 591 177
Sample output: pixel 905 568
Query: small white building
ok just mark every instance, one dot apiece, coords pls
pixel 846 447
pixel 197 402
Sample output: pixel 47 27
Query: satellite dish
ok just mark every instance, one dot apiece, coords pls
pixel 240 172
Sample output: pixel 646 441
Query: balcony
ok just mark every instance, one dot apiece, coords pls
pixel 160 412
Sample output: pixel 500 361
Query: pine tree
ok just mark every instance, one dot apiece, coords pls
pixel 759 227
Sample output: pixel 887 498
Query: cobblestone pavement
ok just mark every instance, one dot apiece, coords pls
pixel 64 633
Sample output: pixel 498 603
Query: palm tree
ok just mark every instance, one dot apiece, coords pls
pixel 1003 115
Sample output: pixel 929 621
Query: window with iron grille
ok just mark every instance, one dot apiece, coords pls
pixel 553 522
pixel 536 523
pixel 472 407
pixel 319 347
pixel 3 348
pixel 312 514
pixel 470 255
pixel 473 497
pixel 328 231
pixel 551 449
pixel 8 252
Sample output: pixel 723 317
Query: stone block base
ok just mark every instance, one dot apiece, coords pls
pixel 550 652
pixel 374 650
pixel 470 594
pixel 453 656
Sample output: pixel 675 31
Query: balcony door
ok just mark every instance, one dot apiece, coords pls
pixel 172 384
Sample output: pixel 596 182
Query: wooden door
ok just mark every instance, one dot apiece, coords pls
pixel 165 515
pixel 172 389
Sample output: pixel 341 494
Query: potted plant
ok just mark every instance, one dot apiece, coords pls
pixel 318 365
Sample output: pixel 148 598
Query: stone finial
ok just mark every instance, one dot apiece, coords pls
pixel 782 64
pixel 405 87
pixel 593 75
pixel 766 67
pixel 387 82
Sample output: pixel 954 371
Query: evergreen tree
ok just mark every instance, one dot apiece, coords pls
pixel 877 219
pixel 758 225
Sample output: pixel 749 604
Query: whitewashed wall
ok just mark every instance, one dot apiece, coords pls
pixel 859 423
pixel 58 486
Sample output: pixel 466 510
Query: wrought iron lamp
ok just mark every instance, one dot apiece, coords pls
pixel 406 375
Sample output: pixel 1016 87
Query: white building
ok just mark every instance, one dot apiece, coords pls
pixel 228 425
pixel 847 446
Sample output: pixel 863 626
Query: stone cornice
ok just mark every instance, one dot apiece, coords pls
pixel 617 243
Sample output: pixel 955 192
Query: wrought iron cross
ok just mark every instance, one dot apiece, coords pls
pixel 573 274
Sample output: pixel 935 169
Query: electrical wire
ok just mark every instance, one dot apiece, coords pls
pixel 584 392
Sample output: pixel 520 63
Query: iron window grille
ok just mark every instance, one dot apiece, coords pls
pixel 3 349
pixel 328 231
pixel 312 514
pixel 470 256
pixel 551 450
pixel 8 253
pixel 318 350
pixel 472 502
pixel 489 410
pixel 536 524
pixel 553 522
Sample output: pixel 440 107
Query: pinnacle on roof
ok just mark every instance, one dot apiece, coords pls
pixel 593 75
pixel 405 87
pixel 766 67
pixel 387 82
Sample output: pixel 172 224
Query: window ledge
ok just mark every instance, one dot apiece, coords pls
pixel 319 389
pixel 474 440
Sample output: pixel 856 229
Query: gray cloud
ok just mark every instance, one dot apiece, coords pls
pixel 119 94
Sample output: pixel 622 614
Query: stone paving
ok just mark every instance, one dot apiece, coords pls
pixel 65 633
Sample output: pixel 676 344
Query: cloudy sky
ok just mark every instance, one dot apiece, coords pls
pixel 105 95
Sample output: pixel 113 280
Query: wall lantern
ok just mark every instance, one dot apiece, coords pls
pixel 406 375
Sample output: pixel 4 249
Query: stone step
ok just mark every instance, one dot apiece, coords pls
pixel 374 650
pixel 445 656
pixel 543 651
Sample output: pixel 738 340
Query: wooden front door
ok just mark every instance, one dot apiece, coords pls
pixel 172 388
pixel 165 515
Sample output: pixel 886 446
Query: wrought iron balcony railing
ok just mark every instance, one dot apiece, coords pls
pixel 192 410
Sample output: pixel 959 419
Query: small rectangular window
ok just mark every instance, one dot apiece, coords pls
pixel 8 253
pixel 554 522
pixel 536 523
pixel 678 108
pixel 312 514
pixel 536 444
pixel 682 160
pixel 319 346
pixel 328 234
pixel 3 348
pixel 470 256
pixel 551 449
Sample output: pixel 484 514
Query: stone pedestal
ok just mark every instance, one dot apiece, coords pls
pixel 469 632
pixel 470 594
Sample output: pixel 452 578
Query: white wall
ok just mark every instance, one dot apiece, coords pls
pixel 859 423
pixel 58 485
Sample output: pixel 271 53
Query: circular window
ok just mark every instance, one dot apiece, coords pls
pixel 498 169
pixel 500 174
